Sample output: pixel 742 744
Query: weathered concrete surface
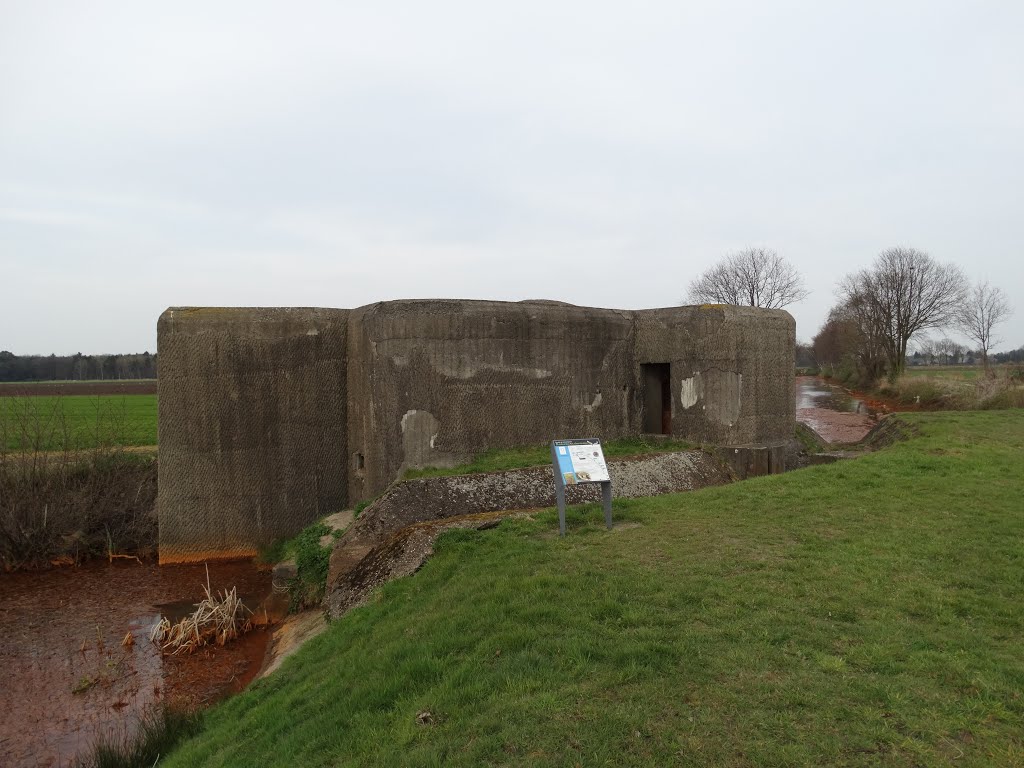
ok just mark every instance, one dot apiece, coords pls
pixel 270 418
pixel 451 379
pixel 747 461
pixel 252 427
pixel 732 371
pixel 414 502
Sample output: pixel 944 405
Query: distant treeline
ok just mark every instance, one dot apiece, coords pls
pixel 1013 356
pixel 77 367
pixel 944 352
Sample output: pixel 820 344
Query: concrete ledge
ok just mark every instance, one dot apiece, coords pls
pixel 756 460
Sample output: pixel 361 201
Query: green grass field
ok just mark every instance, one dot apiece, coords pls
pixel 76 422
pixel 960 372
pixel 861 613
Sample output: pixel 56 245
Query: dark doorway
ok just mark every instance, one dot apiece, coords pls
pixel 657 398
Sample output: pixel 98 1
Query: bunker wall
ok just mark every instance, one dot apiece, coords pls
pixel 271 418
pixel 252 426
pixel 433 383
pixel 732 371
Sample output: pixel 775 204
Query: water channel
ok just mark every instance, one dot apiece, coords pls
pixel 836 414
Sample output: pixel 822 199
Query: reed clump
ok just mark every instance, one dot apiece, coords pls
pixel 218 619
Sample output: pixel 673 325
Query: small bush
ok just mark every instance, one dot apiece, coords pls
pixel 929 392
pixel 311 564
pixel 311 561
pixel 67 509
pixel 63 503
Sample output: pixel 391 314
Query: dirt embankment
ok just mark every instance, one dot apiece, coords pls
pixel 42 388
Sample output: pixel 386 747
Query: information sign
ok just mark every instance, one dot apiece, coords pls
pixel 580 461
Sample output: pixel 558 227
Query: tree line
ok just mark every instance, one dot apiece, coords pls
pixel 77 367
pixel 902 297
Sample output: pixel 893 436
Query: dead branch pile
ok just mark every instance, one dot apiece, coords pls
pixel 217 619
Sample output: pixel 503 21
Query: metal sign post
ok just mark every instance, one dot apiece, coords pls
pixel 576 462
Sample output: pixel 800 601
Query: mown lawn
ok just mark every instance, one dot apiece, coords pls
pixel 75 422
pixel 862 613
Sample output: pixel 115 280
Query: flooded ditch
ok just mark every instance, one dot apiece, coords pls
pixel 838 415
pixel 69 678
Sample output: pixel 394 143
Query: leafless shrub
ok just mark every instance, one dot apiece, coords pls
pixel 63 506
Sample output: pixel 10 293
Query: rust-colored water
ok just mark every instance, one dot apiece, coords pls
pixel 831 411
pixel 837 414
pixel 65 677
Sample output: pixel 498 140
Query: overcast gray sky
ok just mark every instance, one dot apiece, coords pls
pixel 336 154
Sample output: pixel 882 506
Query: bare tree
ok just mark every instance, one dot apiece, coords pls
pixel 984 307
pixel 851 336
pixel 927 348
pixel 906 291
pixel 755 277
pixel 950 351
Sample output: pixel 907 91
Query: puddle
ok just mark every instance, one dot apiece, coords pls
pixel 67 678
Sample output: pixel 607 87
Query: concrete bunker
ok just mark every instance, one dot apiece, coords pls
pixel 272 418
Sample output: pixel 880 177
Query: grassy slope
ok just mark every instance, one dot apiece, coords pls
pixel 53 423
pixel 860 613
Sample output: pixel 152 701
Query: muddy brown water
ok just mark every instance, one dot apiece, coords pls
pixel 837 414
pixel 65 677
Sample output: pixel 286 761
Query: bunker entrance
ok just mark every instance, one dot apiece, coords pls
pixel 657 380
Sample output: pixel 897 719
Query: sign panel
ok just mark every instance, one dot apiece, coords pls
pixel 581 461
pixel 575 462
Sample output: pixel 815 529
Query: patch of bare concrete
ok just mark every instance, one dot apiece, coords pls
pixel 339 521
